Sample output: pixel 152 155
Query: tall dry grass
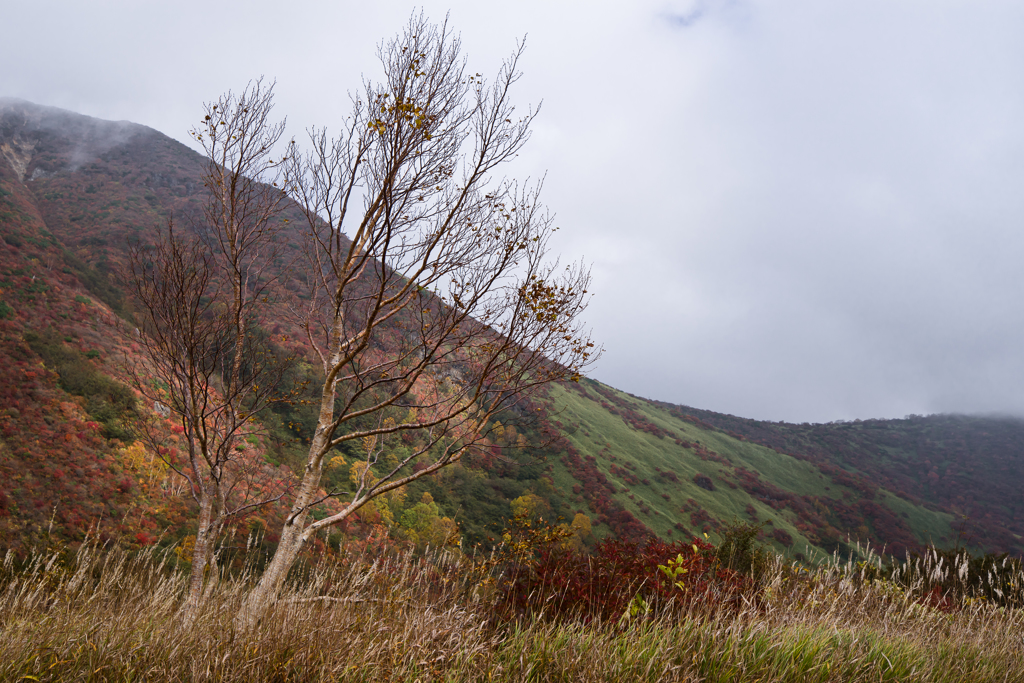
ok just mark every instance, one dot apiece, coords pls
pixel 110 616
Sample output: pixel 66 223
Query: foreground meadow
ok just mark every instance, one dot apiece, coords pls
pixel 386 616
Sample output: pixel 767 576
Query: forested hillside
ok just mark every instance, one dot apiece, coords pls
pixel 75 191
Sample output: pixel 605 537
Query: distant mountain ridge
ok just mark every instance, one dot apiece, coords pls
pixel 973 465
pixel 74 190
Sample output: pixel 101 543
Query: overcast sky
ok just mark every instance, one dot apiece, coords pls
pixel 800 211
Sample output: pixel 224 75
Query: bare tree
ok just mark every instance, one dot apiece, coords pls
pixel 245 184
pixel 432 305
pixel 202 298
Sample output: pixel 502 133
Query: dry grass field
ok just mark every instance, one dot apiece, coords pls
pixel 104 615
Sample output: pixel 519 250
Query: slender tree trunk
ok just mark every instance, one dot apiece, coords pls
pixel 293 534
pixel 239 322
pixel 201 554
pixel 269 587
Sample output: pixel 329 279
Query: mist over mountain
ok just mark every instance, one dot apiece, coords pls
pixel 75 191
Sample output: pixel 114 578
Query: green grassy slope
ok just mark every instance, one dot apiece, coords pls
pixel 681 476
pixel 972 466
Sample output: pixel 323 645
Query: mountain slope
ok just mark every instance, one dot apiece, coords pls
pixel 75 190
pixel 679 475
pixel 970 465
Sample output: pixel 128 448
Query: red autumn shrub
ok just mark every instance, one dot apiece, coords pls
pixel 556 581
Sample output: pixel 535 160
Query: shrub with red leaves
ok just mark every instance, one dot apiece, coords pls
pixel 558 582
pixel 938 599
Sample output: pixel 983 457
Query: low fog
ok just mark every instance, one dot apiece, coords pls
pixel 799 211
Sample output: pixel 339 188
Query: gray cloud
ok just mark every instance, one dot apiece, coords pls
pixel 801 211
pixel 685 15
pixel 690 17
